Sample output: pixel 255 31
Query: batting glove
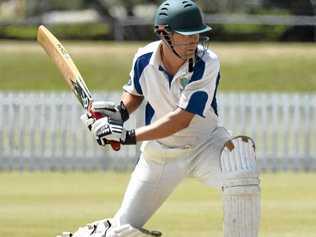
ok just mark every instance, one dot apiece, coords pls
pixel 87 120
pixel 111 110
pixel 107 129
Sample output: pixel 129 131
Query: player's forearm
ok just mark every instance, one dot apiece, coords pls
pixel 163 127
pixel 160 129
pixel 131 102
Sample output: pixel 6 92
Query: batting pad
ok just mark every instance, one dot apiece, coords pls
pixel 241 191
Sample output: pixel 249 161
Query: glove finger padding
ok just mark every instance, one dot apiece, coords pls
pixel 106 129
pixel 87 120
pixel 107 108
pixel 102 141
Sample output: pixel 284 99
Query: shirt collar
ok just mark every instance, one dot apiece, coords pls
pixel 156 61
pixel 156 58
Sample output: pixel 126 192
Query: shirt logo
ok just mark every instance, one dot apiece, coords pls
pixel 183 83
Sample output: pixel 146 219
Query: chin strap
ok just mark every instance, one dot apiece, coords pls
pixel 163 34
pixel 166 38
pixel 191 65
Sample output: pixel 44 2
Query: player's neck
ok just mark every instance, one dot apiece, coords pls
pixel 170 61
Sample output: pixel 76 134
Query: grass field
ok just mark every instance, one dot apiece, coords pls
pixel 105 66
pixel 43 204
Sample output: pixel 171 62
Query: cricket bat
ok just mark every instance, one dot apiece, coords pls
pixel 70 72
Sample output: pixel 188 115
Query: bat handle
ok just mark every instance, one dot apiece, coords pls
pixel 96 115
pixel 116 146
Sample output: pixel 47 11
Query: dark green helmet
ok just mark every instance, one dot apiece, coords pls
pixel 181 16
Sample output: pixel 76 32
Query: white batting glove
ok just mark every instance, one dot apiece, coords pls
pixel 105 130
pixel 111 110
pixel 87 120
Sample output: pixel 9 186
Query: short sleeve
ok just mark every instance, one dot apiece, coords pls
pixel 133 85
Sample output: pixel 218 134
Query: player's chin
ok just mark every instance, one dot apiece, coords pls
pixel 189 54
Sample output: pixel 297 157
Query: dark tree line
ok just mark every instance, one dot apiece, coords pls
pixel 296 7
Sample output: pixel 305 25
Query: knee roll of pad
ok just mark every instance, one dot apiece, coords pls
pixel 238 163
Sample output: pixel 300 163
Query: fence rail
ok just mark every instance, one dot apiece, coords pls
pixel 42 131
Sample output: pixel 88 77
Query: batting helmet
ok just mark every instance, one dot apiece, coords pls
pixel 181 16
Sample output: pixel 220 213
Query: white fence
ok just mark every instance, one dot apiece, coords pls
pixel 42 131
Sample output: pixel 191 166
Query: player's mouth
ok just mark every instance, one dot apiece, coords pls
pixel 190 52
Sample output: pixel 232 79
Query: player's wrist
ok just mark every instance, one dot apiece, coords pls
pixel 123 111
pixel 128 137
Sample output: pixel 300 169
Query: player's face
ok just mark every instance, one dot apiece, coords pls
pixel 185 45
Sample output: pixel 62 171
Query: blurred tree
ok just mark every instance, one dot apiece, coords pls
pixel 296 7
pixel 100 6
pixel 66 5
pixel 129 5
pixel 229 6
pixel 37 7
pixel 210 6
pixel 12 9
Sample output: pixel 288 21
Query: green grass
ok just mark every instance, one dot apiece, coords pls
pixel 106 66
pixel 44 204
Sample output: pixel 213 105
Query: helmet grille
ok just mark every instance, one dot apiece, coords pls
pixel 164 11
pixel 187 5
pixel 163 14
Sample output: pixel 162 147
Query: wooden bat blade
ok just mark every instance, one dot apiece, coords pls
pixel 70 72
pixel 65 64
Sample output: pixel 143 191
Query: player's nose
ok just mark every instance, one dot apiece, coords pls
pixel 193 39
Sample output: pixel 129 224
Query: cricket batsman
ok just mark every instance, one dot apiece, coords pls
pixel 177 77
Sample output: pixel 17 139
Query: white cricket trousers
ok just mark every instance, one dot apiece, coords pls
pixel 161 169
